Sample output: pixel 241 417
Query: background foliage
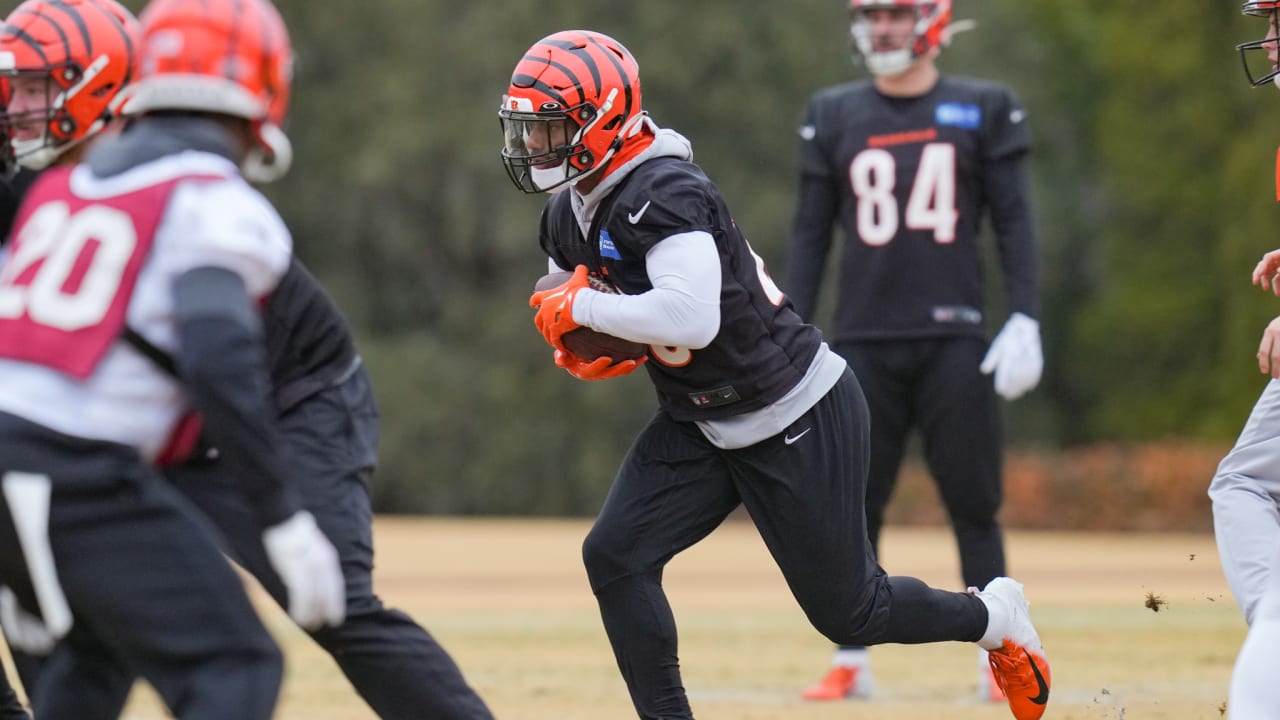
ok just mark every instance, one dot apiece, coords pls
pixel 1152 184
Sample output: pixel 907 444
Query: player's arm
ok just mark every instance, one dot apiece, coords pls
pixel 1015 356
pixel 1265 272
pixel 1269 349
pixel 816 205
pixel 1007 187
pixel 235 250
pixel 682 309
pixel 230 249
pixel 1007 190
pixel 222 359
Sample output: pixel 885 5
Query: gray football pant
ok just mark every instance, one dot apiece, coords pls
pixel 1246 503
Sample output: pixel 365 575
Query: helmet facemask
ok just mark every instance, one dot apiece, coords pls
pixel 1257 56
pixel 544 149
pixel 35 120
pixel 924 36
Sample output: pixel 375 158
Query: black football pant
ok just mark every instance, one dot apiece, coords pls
pixel 805 498
pixel 10 707
pixel 393 663
pixel 935 385
pixel 149 591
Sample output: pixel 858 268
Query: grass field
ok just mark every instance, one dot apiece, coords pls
pixel 509 599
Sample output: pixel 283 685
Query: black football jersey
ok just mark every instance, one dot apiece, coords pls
pixel 309 344
pixel 911 185
pixel 763 348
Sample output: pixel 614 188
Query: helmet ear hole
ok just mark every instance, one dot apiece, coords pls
pixel 615 122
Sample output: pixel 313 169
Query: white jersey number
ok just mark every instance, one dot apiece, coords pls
pixel 931 205
pixel 71 289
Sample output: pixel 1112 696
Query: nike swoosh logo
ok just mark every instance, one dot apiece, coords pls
pixel 792 438
pixel 634 217
pixel 1043 697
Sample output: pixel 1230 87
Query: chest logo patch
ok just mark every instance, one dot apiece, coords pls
pixel 962 115
pixel 607 248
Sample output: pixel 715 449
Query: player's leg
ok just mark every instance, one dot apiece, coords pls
pixel 960 424
pixel 1245 491
pixel 1254 690
pixel 82 661
pixel 64 692
pixel 395 665
pixel 145 578
pixel 670 492
pixel 884 371
pixel 963 443
pixel 805 497
pixel 10 707
pixel 28 666
pixel 887 375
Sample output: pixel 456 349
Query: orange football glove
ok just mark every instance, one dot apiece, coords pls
pixel 555 308
pixel 602 368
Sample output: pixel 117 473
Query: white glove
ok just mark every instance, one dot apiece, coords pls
pixel 308 565
pixel 1015 356
pixel 22 629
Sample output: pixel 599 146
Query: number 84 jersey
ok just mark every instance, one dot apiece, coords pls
pixel 91 256
pixel 909 179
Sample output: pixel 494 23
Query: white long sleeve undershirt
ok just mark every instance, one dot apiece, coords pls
pixel 682 309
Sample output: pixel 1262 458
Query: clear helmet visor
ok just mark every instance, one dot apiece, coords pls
pixel 540 148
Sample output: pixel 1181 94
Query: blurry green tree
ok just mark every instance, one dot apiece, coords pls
pixel 1152 172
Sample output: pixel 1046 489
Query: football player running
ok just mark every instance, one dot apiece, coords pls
pixel 754 409
pixel 1246 514
pixel 127 305
pixel 911 162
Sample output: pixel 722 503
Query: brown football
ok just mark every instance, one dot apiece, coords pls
pixel 590 344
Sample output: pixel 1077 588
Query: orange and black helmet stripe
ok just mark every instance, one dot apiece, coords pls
pixel 43 12
pixel 583 54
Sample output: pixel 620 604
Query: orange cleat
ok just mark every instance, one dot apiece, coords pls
pixel 841 683
pixel 1018 665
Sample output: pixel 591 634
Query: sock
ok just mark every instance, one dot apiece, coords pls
pixel 997 622
pixel 851 657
